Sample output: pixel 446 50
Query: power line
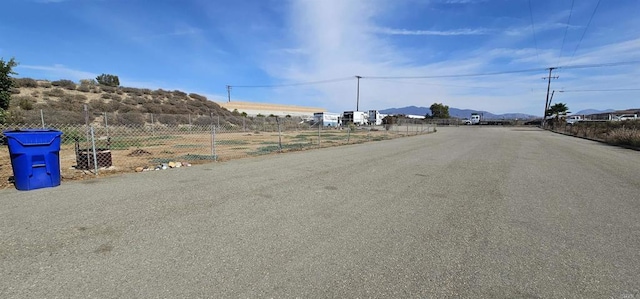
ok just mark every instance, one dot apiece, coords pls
pixel 602 90
pixel 566 29
pixel 437 84
pixel 533 29
pixel 295 84
pixel 455 76
pixel 582 66
pixel 585 31
pixel 611 64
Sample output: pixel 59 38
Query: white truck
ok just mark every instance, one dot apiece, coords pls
pixel 375 118
pixel 358 118
pixel 572 119
pixel 475 119
pixel 326 119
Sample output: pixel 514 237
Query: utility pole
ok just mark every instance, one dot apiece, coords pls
pixel 358 95
pixel 551 98
pixel 546 104
pixel 229 93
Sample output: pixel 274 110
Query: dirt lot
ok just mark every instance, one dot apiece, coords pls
pixel 129 152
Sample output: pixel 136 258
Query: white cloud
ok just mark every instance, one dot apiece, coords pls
pixel 333 39
pixel 479 31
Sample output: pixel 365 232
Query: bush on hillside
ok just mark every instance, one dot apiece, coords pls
pixel 179 94
pixel 64 83
pixel 55 92
pixel 133 118
pixel 198 97
pixel 44 84
pixel 25 83
pixel 108 80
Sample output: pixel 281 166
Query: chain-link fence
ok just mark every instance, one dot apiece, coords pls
pixel 625 133
pixel 121 142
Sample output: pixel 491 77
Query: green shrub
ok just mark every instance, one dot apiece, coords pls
pixel 108 80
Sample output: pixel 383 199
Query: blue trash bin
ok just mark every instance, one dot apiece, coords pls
pixel 35 157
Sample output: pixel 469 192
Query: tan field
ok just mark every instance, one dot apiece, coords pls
pixel 131 152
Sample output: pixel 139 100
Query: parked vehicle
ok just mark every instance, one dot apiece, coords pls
pixel 358 118
pixel 475 118
pixel 626 117
pixel 375 118
pixel 326 119
pixel 572 119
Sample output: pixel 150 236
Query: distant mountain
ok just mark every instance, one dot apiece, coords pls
pixel 592 111
pixel 455 112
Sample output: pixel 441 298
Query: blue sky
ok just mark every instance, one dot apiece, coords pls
pixel 201 46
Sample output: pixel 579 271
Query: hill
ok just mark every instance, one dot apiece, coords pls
pixel 455 112
pixel 64 102
pixel 592 111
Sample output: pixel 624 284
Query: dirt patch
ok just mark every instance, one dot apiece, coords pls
pixel 148 150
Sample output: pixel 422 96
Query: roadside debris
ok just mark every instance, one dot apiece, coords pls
pixel 163 166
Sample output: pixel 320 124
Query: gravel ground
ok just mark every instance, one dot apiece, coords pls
pixel 466 212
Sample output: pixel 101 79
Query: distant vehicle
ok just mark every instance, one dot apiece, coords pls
pixel 327 119
pixel 626 117
pixel 572 119
pixel 358 118
pixel 475 118
pixel 466 121
pixel 375 118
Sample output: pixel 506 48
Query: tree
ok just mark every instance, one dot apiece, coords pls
pixel 558 110
pixel 438 110
pixel 6 84
pixel 108 80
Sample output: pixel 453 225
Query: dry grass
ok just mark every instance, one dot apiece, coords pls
pixel 625 133
pixel 196 149
pixel 624 136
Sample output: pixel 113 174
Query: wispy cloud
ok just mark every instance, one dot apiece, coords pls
pixel 390 31
pixel 178 32
pixel 57 71
pixel 463 1
pixel 341 43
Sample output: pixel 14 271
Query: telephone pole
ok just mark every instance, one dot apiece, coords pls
pixel 546 104
pixel 228 93
pixel 358 94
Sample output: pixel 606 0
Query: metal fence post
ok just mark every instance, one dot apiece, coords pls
pixel 152 131
pixel 93 147
pixel 106 124
pixel 42 118
pixel 213 143
pixel 348 134
pixel 319 128
pixel 279 135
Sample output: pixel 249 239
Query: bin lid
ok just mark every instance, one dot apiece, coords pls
pixel 33 136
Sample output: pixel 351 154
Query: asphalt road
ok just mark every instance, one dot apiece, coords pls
pixel 467 212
